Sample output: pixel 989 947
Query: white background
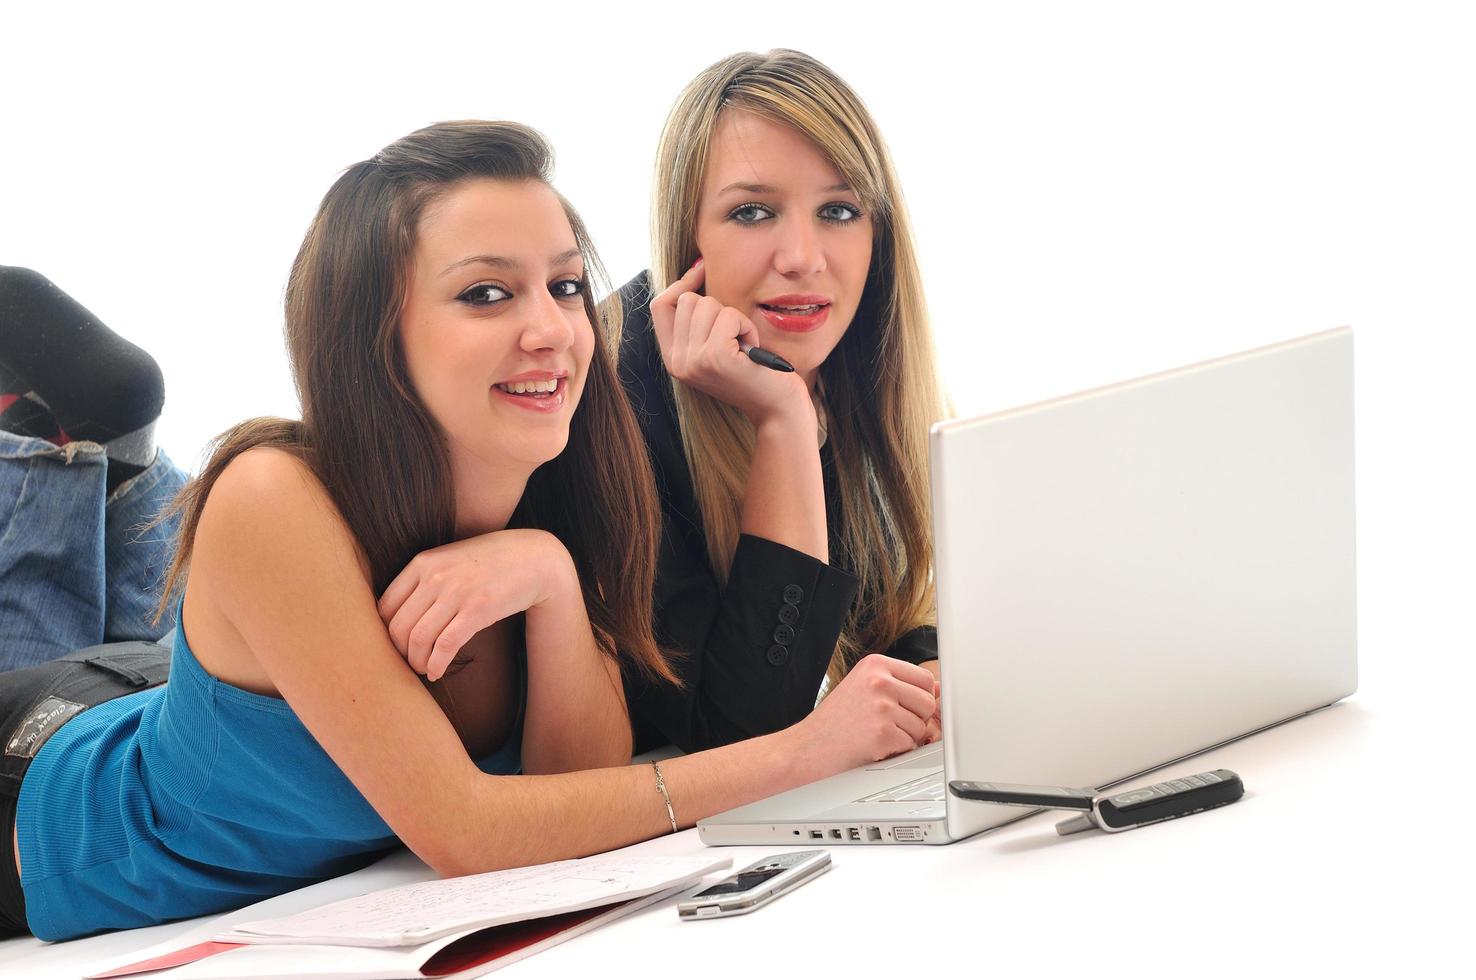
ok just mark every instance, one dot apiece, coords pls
pixel 1099 191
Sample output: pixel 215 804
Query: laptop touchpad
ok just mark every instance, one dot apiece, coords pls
pixel 927 757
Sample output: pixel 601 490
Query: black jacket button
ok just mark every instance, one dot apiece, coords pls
pixel 783 634
pixel 788 614
pixel 793 594
pixel 778 655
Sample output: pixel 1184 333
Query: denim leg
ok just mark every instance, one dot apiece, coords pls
pixel 52 571
pixel 136 555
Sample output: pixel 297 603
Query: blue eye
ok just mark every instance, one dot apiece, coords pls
pixel 839 213
pixel 567 288
pixel 484 294
pixel 750 214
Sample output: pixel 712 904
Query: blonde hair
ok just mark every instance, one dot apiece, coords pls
pixel 880 385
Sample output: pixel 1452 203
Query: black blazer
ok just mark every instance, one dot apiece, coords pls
pixel 756 650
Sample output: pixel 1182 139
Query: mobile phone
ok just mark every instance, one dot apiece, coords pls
pixel 1168 800
pixel 1121 811
pixel 756 885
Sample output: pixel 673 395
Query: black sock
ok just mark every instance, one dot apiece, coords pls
pixel 98 386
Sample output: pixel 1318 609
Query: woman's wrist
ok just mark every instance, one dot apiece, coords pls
pixel 557 625
pixel 790 405
pixel 802 753
pixel 792 420
pixel 557 577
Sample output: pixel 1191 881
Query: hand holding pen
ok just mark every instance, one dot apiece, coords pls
pixel 767 358
pixel 712 347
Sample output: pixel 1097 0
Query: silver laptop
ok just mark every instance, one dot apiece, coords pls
pixel 1126 577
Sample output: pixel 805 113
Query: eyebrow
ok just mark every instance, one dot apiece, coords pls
pixel 503 262
pixel 768 189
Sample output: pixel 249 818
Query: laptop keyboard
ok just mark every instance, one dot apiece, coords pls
pixel 925 789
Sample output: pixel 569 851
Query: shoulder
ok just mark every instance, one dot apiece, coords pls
pixel 642 372
pixel 649 392
pixel 635 296
pixel 267 507
pixel 266 469
pixel 637 338
pixel 262 484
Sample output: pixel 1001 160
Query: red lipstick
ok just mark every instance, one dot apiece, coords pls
pixel 796 312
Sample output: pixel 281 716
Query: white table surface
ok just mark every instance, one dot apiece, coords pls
pixel 1319 868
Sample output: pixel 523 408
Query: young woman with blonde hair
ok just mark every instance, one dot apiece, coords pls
pixel 796 537
pixel 441 509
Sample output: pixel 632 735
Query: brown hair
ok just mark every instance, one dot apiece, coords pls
pixel 367 434
pixel 880 384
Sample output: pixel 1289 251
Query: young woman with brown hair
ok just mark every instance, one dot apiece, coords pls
pixel 442 503
pixel 796 549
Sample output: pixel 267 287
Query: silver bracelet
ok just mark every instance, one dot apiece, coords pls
pixel 661 788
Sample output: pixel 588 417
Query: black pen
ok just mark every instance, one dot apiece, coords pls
pixel 768 359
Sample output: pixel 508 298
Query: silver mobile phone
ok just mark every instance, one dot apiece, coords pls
pixel 756 885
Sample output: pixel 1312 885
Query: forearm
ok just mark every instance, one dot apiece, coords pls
pixel 515 821
pixel 754 651
pixel 784 500
pixel 575 716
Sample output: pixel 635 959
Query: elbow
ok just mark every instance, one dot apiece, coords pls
pixel 484 829
pixel 447 836
pixel 452 866
pixel 458 859
pixel 458 862
pixel 443 856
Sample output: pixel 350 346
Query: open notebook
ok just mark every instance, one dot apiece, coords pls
pixel 442 928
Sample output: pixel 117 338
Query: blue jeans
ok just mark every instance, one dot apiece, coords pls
pixel 77 567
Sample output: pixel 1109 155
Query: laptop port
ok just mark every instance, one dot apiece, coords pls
pixel 854 833
pixel 835 833
pixel 907 834
pixel 817 834
pixel 873 833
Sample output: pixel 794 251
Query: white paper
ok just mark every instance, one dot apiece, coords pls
pixel 284 962
pixel 410 915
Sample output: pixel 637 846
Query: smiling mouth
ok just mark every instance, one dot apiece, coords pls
pixel 531 389
pixel 809 310
pixel 541 396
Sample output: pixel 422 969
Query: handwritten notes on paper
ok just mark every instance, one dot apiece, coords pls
pixel 413 914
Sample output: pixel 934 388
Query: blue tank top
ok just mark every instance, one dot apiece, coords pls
pixel 188 799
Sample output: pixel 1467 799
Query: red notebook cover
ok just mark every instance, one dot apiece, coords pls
pixel 475 949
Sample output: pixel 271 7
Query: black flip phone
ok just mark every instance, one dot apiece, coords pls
pixel 1169 799
pixel 1121 811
